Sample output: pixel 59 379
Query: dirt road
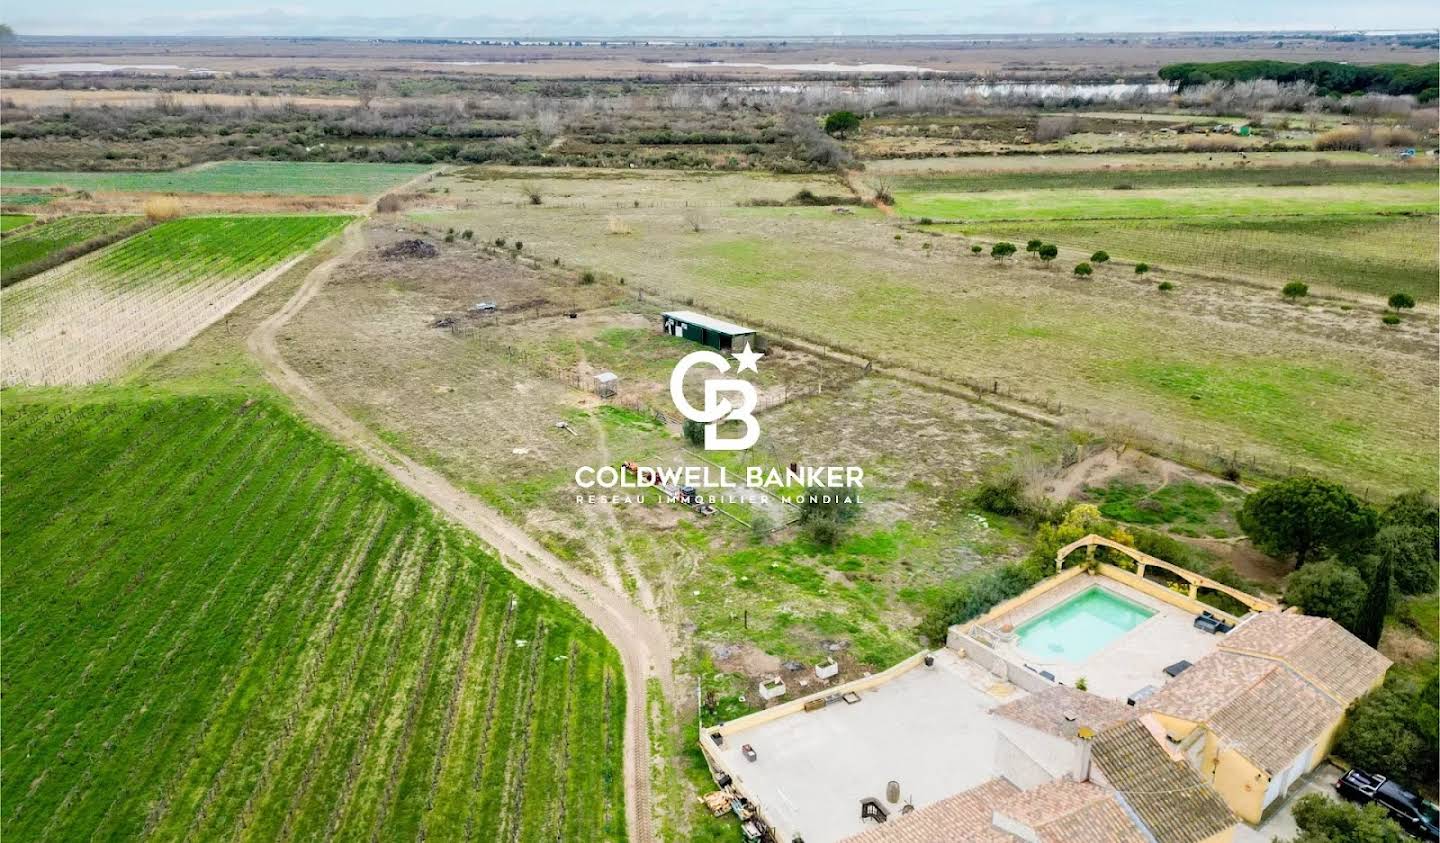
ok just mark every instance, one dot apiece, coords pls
pixel 640 638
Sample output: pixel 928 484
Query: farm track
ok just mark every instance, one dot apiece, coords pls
pixel 638 637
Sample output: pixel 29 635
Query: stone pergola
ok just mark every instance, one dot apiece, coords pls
pixel 1145 560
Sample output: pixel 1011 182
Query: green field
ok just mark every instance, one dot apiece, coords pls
pixel 1160 203
pixel 93 318
pixel 1151 178
pixel 221 626
pixel 26 199
pixel 1378 255
pixel 25 248
pixel 279 177
pixel 9 221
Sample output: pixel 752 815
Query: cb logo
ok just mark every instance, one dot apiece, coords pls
pixel 717 409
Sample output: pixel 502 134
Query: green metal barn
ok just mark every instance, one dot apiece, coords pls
pixel 706 330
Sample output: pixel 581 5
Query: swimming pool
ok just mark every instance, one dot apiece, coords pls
pixel 1078 628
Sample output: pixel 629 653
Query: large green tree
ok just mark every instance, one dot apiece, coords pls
pixel 1410 534
pixel 1392 730
pixel 1306 517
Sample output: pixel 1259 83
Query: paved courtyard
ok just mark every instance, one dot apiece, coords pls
pixel 929 729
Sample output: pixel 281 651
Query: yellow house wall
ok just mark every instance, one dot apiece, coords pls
pixel 1239 782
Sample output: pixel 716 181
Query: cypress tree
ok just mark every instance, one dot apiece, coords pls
pixel 1371 621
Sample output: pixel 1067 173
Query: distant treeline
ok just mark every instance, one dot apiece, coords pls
pixel 1328 77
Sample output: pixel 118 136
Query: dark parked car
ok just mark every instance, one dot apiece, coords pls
pixel 1414 814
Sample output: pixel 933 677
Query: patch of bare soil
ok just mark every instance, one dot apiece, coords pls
pixel 1245 559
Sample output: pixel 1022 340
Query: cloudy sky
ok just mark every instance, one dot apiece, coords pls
pixel 452 18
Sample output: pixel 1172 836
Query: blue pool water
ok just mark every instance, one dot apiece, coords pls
pixel 1078 628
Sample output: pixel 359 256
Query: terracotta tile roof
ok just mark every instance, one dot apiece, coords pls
pixel 1208 686
pixel 1047 709
pixel 964 816
pixel 1102 821
pixel 1059 812
pixel 1067 811
pixel 1318 649
pixel 1167 794
pixel 1276 719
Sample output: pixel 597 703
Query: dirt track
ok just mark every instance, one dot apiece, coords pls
pixel 639 637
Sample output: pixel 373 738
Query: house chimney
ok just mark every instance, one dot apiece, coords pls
pixel 1081 773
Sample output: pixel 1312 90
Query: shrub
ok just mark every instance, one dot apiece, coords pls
pixel 161 208
pixel 1054 127
pixel 450 237
pixel 1327 589
pixel 532 192
pixel 926 221
pixel 467 234
pixel 976 249
pixel 1002 250
pixel 587 277
pixel 500 241
pixel 694 431
pixel 825 512
pixel 840 122
pixel 1001 494
pixel 1100 257
pixel 1390 319
pixel 1048 252
pixel 1401 301
pixel 519 245
pixel 1083 269
pixel 1142 268
pixel 1033 245
pixel 1295 290
pixel 389 204
pixel 1324 820
pixel 1165 286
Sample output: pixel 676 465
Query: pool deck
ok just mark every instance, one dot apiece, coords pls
pixel 1131 661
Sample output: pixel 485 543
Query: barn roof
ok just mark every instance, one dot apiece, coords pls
pixel 690 317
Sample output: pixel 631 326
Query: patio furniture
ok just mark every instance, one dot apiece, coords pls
pixel 1177 668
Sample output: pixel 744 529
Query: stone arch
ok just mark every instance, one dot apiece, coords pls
pixel 1144 560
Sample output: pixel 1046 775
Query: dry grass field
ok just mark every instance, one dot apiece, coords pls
pixel 1220 368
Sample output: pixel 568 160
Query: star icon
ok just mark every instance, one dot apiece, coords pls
pixel 747 360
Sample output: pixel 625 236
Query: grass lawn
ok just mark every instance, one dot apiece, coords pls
pixel 1169 204
pixel 219 624
pixel 9 221
pixel 1375 255
pixel 1183 507
pixel 278 177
